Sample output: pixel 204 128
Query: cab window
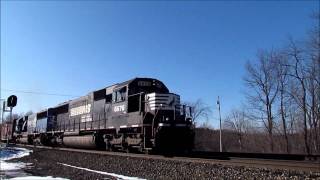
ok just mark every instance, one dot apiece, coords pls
pixel 120 95
pixel 108 98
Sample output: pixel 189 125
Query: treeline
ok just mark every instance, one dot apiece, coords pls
pixel 282 111
pixel 207 139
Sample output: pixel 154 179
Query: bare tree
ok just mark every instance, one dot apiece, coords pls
pixel 199 111
pixel 262 80
pixel 313 88
pixel 299 75
pixel 237 122
pixel 288 81
pixel 282 76
pixel 297 71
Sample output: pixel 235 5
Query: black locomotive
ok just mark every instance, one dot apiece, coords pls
pixel 139 114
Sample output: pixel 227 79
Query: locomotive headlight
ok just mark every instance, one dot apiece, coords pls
pixel 167 119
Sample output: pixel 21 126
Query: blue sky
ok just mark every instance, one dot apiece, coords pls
pixel 198 49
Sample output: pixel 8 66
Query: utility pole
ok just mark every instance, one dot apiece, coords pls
pixel 218 102
pixel 2 109
pixel 11 102
pixel 11 119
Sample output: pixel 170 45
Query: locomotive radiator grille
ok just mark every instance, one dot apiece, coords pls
pixel 159 101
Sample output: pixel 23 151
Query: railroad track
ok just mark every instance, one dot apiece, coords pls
pixel 300 165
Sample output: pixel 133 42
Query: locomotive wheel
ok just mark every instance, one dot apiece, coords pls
pixel 43 139
pixel 128 150
pixel 30 140
pixel 108 146
pixel 140 149
pixel 112 148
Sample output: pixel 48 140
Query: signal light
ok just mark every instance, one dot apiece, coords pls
pixel 12 101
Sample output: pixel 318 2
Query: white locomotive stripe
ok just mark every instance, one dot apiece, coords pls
pixel 158 102
pixel 136 125
pixel 161 108
pixel 158 99
pixel 164 107
pixel 164 124
pixel 124 126
pixel 161 100
pixel 162 96
pixel 110 127
pixel 158 105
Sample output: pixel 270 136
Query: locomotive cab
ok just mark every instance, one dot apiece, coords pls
pixel 166 123
pixel 21 129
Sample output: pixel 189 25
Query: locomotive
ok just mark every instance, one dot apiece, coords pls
pixel 139 114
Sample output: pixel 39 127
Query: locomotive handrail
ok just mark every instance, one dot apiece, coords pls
pixel 136 94
pixel 154 117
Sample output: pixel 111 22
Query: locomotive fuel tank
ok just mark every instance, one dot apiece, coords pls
pixel 85 141
pixel 23 140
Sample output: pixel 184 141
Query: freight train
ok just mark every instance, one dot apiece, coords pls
pixel 140 114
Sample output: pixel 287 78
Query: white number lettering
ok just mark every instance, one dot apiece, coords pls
pixel 118 108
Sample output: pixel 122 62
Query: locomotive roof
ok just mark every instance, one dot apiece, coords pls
pixel 108 88
pixel 42 111
pixel 117 85
pixel 131 80
pixel 61 104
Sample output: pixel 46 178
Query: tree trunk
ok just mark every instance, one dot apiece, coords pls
pixel 304 106
pixel 240 142
pixel 283 117
pixel 270 123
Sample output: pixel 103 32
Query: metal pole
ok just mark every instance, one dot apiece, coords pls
pixel 11 115
pixel 3 109
pixel 8 125
pixel 2 117
pixel 218 102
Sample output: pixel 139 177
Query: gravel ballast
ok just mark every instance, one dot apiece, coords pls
pixel 48 162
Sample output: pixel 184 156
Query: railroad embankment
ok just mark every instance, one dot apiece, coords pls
pixel 79 165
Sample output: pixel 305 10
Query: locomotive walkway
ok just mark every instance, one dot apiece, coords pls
pixel 298 165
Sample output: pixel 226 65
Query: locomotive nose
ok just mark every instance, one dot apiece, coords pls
pixel 174 138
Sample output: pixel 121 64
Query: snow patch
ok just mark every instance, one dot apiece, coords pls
pixel 5 166
pixel 16 167
pixel 14 153
pixel 17 153
pixel 119 177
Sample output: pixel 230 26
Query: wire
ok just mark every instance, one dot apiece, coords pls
pixel 39 93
